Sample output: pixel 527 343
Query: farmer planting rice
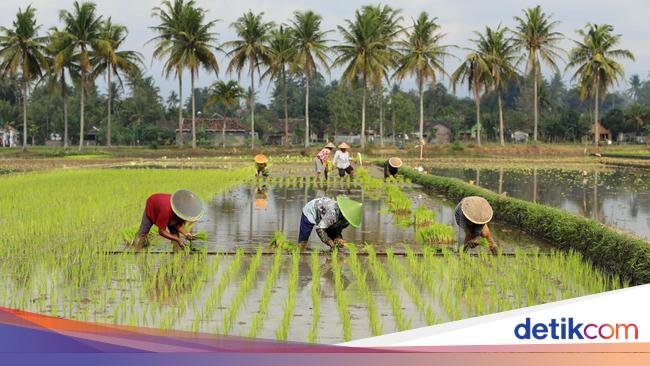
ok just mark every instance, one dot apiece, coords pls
pixel 261 168
pixel 170 212
pixel 342 160
pixel 322 159
pixel 391 167
pixel 330 217
pixel 472 215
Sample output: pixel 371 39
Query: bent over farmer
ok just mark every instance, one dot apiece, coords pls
pixel 322 159
pixel 169 212
pixel 330 217
pixel 261 162
pixel 391 167
pixel 472 215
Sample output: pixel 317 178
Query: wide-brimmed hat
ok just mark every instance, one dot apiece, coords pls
pixel 476 209
pixel 395 162
pixel 187 205
pixel 350 209
pixel 330 145
pixel 343 145
pixel 261 159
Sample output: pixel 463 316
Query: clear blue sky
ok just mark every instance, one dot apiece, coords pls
pixel 458 19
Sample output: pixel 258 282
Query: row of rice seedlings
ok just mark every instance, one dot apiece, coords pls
pixel 279 241
pixel 242 291
pixel 411 288
pixel 315 297
pixel 282 332
pixel 214 298
pixel 386 284
pixel 341 298
pixel 397 201
pixel 422 217
pixel 271 278
pixel 360 276
pixel 436 234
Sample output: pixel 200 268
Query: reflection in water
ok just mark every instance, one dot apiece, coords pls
pixel 619 198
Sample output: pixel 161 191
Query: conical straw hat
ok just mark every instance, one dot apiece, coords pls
pixel 330 145
pixel 187 205
pixel 261 159
pixel 343 145
pixel 395 162
pixel 476 209
pixel 350 209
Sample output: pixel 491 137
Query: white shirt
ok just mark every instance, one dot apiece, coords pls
pixel 342 159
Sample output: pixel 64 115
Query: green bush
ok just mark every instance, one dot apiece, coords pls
pixel 614 252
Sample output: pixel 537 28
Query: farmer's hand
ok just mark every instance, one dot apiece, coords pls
pixel 339 242
pixel 330 243
pixel 494 250
pixel 190 236
pixel 471 244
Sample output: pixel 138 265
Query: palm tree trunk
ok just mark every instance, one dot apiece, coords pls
pixel 421 93
pixel 179 137
pixel 381 119
pixel 65 112
pixel 392 112
pixel 193 110
pixel 252 106
pixel 596 132
pixel 535 102
pixel 24 114
pixel 363 114
pixel 501 122
pixel 286 107
pixel 110 97
pixel 306 111
pixel 477 100
pixel 81 110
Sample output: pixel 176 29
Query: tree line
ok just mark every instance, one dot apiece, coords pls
pixel 378 49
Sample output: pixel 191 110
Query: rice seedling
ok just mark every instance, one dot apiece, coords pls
pixel 242 292
pixel 258 320
pixel 423 217
pixel 341 299
pixel 279 241
pixel 360 277
pixel 397 201
pixel 282 332
pixel 411 288
pixel 315 297
pixel 436 234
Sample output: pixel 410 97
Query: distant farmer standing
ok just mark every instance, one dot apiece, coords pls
pixel 391 167
pixel 330 217
pixel 261 162
pixel 472 215
pixel 322 159
pixel 342 160
pixel 169 212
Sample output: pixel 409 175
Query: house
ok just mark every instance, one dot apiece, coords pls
pixel 603 133
pixel 216 128
pixel 276 136
pixel 441 134
pixel 519 136
pixel 8 136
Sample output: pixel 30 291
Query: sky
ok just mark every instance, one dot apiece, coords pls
pixel 458 19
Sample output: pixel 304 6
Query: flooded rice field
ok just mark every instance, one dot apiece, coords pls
pixel 616 197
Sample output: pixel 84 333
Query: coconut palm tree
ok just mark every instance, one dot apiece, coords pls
pixel 21 48
pixel 250 50
pixel 195 46
pixel 310 51
pixel 281 55
pixel 170 27
pixel 109 59
pixel 595 60
pixel 422 55
pixel 226 94
pixel 536 38
pixel 475 70
pixel 499 51
pixel 82 29
pixel 365 53
pixel 62 63
pixel 635 87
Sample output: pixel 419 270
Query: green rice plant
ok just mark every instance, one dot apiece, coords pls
pixel 258 320
pixel 411 288
pixel 214 298
pixel 341 299
pixel 242 292
pixel 315 297
pixel 397 201
pixel 279 241
pixel 423 217
pixel 436 234
pixel 282 332
pixel 360 276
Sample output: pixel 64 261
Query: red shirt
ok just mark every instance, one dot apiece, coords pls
pixel 159 210
pixel 324 155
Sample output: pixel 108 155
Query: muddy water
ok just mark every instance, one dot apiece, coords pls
pixel 619 198
pixel 248 217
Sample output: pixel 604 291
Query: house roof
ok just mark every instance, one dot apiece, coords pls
pixel 277 127
pixel 216 124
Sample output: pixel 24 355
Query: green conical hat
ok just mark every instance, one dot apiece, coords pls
pixel 187 205
pixel 350 209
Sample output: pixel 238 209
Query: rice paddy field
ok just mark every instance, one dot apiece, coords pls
pixel 63 254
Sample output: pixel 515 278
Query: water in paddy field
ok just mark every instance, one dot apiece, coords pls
pixel 247 218
pixel 615 197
